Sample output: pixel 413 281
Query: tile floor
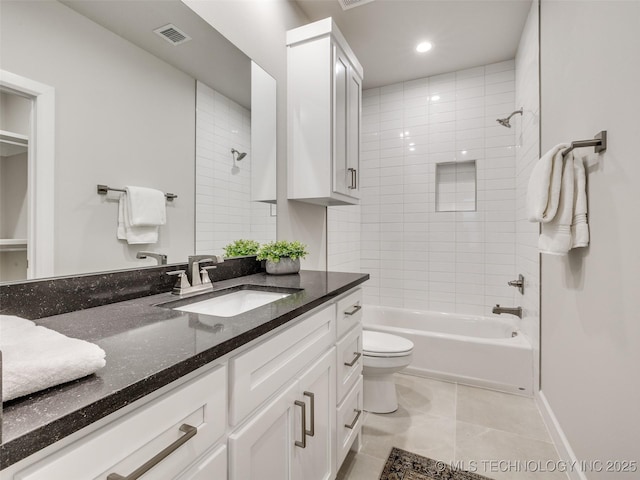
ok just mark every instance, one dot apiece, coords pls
pixel 494 434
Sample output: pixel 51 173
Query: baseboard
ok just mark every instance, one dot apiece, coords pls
pixel 565 452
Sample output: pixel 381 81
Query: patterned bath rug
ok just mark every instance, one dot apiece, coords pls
pixel 403 465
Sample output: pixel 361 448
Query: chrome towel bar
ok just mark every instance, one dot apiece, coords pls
pixel 103 190
pixel 599 142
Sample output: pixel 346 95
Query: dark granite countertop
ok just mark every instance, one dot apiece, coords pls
pixel 148 347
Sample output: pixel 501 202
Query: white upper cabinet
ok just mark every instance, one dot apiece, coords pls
pixel 324 102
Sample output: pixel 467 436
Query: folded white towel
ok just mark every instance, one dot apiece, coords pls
pixel 35 358
pixel 579 227
pixel 555 237
pixel 133 235
pixel 543 191
pixel 147 206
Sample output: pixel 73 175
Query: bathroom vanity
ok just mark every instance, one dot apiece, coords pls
pixel 274 392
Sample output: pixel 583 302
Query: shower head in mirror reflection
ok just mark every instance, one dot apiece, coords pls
pixel 505 121
pixel 237 156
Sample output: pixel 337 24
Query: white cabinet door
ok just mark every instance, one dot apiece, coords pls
pixel 262 448
pixel 341 177
pixel 354 94
pixel 316 388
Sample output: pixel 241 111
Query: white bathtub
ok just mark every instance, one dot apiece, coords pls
pixel 472 350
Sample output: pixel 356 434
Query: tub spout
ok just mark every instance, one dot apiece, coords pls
pixel 517 311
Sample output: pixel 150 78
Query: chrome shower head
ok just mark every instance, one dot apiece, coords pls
pixel 240 155
pixel 505 121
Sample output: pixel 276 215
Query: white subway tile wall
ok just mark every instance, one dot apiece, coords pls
pixel 418 257
pixel 344 238
pixel 527 134
pixel 224 211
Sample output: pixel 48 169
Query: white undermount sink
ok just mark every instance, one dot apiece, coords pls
pixel 233 303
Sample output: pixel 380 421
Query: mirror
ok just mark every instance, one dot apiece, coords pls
pixel 133 108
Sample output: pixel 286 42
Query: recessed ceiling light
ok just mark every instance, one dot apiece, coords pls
pixel 435 98
pixel 423 47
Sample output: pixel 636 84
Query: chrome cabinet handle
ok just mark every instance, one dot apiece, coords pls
pixel 353 178
pixel 302 443
pixel 356 309
pixel 355 359
pixel 312 399
pixel 189 432
pixel 355 420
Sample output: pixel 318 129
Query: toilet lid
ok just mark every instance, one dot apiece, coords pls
pixel 384 344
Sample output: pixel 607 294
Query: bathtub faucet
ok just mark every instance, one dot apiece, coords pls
pixel 517 311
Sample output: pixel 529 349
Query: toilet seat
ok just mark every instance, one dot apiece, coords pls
pixel 378 344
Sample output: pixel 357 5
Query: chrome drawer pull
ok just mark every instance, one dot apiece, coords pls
pixel 355 359
pixel 302 405
pixel 355 420
pixel 189 432
pixel 356 309
pixel 312 431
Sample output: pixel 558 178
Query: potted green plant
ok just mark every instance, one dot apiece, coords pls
pixel 241 248
pixel 282 257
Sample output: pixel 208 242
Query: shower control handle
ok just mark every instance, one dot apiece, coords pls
pixel 519 283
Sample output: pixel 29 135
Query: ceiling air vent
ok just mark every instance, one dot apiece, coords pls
pixel 347 4
pixel 172 34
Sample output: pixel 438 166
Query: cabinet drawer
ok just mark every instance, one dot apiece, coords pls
pixel 349 421
pixel 133 439
pixel 349 312
pixel 349 352
pixel 260 372
pixel 213 466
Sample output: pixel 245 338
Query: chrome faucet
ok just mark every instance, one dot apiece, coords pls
pixel 161 258
pixel 517 311
pixel 196 278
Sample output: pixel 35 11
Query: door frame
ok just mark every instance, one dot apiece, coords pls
pixel 41 161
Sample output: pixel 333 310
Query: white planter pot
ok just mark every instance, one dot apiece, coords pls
pixel 285 266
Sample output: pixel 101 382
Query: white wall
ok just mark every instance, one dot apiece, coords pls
pixel 97 77
pixel 258 28
pixel 527 132
pixel 417 257
pixel 590 65
pixel 224 210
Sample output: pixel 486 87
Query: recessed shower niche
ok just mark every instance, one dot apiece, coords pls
pixel 456 186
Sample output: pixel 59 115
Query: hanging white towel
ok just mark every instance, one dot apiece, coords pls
pixel 147 206
pixel 579 227
pixel 555 237
pixel 543 191
pixel 133 235
pixel 35 358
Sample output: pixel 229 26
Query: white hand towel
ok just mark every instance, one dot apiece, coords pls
pixel 35 358
pixel 579 227
pixel 555 238
pixel 133 235
pixel 543 191
pixel 147 206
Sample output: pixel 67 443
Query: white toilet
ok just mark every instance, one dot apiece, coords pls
pixel 384 354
